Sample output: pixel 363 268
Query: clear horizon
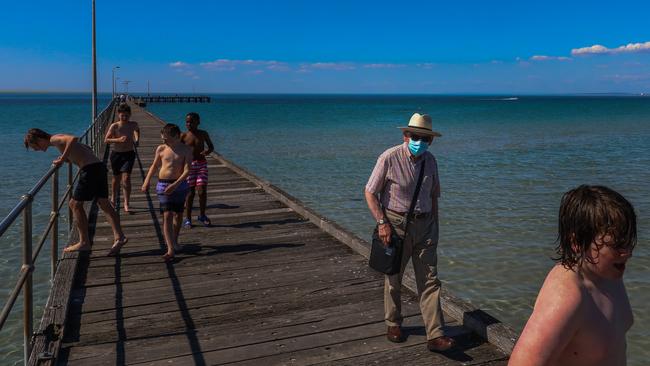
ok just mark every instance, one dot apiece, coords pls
pixel 612 94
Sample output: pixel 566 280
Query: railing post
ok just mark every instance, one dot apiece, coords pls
pixel 92 134
pixel 97 136
pixel 27 289
pixel 70 190
pixel 54 257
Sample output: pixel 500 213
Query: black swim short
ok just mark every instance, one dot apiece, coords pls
pixel 92 183
pixel 122 162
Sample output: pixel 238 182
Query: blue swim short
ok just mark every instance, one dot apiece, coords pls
pixel 173 202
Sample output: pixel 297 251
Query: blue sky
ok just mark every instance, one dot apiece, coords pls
pixel 506 47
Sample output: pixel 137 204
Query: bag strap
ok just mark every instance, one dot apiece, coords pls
pixel 415 198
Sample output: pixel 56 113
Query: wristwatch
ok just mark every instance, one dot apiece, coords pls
pixel 381 221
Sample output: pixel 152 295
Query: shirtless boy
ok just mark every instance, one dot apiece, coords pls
pixel 582 312
pixel 92 184
pixel 173 158
pixel 198 179
pixel 124 135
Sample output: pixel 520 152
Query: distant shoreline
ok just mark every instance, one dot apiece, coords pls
pixel 450 95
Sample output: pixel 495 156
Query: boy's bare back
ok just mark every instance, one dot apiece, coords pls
pixel 173 160
pixel 78 153
pixel 128 130
pixel 576 322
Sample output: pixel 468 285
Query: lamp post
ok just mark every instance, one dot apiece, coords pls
pixel 115 68
pixel 94 68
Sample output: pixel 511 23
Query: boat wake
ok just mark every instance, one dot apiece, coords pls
pixel 499 99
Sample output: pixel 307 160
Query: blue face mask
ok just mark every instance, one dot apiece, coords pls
pixel 417 147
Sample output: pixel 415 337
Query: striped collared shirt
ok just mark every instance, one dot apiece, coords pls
pixel 395 176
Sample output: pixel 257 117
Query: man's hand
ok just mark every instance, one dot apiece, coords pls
pixel 170 189
pixel 58 161
pixel 121 139
pixel 145 188
pixel 385 233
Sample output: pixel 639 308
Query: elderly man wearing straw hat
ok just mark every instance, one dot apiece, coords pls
pixel 392 185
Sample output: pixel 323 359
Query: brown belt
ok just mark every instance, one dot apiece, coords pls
pixel 416 215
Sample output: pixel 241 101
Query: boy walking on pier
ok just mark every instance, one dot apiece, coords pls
pixel 198 178
pixel 124 135
pixel 582 312
pixel 173 159
pixel 92 184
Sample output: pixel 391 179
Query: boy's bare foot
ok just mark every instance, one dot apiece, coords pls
pixel 79 247
pixel 168 257
pixel 117 246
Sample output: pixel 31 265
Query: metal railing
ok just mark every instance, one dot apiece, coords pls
pixel 93 136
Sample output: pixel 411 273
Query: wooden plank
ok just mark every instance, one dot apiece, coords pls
pixel 247 188
pixel 214 217
pixel 306 349
pixel 218 309
pixel 473 351
pixel 246 333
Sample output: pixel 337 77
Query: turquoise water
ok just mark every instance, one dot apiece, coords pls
pixel 504 166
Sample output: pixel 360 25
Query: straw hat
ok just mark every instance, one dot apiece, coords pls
pixel 421 125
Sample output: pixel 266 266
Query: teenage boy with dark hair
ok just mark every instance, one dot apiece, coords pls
pixel 198 178
pixel 124 135
pixel 173 159
pixel 92 184
pixel 582 312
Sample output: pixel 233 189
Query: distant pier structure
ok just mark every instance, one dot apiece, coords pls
pixel 142 100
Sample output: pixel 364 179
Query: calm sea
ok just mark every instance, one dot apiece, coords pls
pixel 504 165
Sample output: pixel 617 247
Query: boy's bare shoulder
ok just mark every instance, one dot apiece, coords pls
pixel 203 133
pixel 561 275
pixel 161 148
pixel 563 288
pixel 61 137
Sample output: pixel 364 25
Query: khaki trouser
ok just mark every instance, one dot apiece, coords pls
pixel 420 244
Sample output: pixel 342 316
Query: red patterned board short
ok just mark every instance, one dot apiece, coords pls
pixel 198 173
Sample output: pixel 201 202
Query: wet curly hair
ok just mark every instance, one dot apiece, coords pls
pixel 588 212
pixel 34 134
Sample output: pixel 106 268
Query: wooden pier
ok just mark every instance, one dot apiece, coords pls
pixel 143 99
pixel 270 283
